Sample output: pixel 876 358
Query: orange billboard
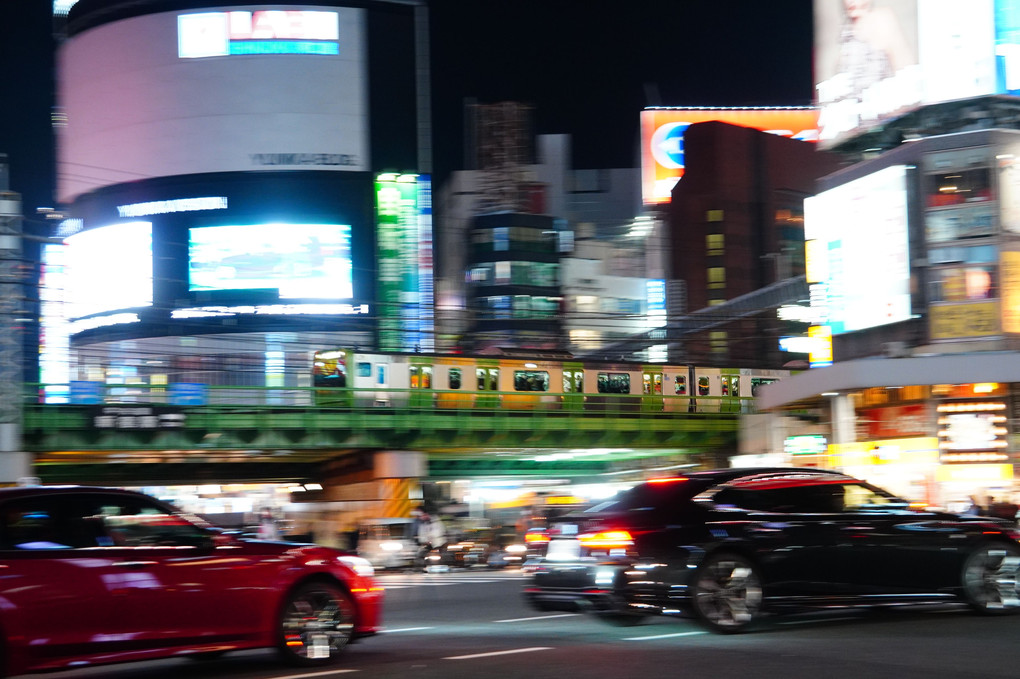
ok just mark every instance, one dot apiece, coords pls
pixel 662 141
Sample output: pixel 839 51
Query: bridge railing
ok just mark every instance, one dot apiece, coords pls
pixel 195 395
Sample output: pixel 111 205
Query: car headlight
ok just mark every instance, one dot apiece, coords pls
pixel 516 549
pixel 390 546
pixel 360 566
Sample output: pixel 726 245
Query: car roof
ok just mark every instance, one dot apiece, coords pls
pixel 791 480
pixel 30 491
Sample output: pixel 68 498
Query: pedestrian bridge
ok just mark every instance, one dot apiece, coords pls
pixel 145 434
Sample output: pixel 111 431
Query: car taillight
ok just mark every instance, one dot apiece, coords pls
pixel 607 539
pixel 536 538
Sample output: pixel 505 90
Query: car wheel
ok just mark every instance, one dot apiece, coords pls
pixel 726 593
pixel 316 624
pixel 990 579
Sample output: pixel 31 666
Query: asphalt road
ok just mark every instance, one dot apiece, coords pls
pixel 475 625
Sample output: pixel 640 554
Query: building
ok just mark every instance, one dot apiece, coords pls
pixel 228 212
pixel 736 225
pixel 911 259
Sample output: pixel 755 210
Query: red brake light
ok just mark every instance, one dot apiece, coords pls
pixel 607 538
pixel 536 537
pixel 668 479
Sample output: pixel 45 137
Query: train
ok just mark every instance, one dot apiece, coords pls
pixel 529 380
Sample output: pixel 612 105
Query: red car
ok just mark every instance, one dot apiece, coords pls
pixel 98 575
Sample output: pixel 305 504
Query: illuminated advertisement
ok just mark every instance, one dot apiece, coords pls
pixel 307 261
pixel 291 94
pixel 405 269
pixel 662 138
pixel 108 268
pixel 220 34
pixel 860 230
pixel 951 321
pixel 1009 277
pixel 879 59
pixel 895 421
pixel 973 431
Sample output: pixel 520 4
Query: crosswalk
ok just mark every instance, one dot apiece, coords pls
pixel 405 580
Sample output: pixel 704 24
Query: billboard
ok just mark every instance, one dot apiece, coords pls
pixel 178 93
pixel 300 261
pixel 106 269
pixel 662 140
pixel 857 249
pixel 880 59
pixel 405 270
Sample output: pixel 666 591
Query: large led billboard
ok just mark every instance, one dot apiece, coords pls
pixel 880 59
pixel 300 261
pixel 178 93
pixel 662 138
pixel 404 252
pixel 856 246
pixel 106 269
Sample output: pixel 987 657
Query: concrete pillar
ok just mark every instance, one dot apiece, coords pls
pixel 844 419
pixel 398 473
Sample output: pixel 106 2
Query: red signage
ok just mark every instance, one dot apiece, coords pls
pixel 895 422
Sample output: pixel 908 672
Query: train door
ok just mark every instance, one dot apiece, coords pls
pixel 421 395
pixel 651 390
pixel 707 386
pixel 487 384
pixel 573 386
pixel 729 388
pixel 675 390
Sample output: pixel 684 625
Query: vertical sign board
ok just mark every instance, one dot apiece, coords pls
pixel 404 244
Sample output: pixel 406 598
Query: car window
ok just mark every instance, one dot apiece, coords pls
pixel 33 524
pixel 861 497
pixel 128 521
pixel 824 498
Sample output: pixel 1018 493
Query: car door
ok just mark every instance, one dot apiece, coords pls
pixel 167 580
pixel 55 602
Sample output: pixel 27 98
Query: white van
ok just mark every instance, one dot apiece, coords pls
pixel 388 543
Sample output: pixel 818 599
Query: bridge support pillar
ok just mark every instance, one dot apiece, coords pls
pixel 398 473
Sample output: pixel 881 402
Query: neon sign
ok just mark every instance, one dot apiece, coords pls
pixel 220 34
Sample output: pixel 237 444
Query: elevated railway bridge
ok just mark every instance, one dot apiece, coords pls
pixel 137 436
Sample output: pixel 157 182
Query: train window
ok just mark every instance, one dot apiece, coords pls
pixel 724 384
pixel 455 377
pixel 421 377
pixel 703 388
pixel 531 380
pixel 488 379
pixel 364 369
pixel 651 383
pixel 573 382
pixel 757 383
pixel 735 384
pixel 613 383
pixel 680 384
pixel 380 374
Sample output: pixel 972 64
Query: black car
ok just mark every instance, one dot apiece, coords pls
pixel 728 546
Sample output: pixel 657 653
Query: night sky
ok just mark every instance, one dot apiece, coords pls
pixel 587 68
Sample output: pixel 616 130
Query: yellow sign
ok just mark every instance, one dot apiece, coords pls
pixel 981 473
pixel 1009 272
pixel 821 345
pixel 977 319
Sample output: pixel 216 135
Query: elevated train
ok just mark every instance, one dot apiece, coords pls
pixel 550 380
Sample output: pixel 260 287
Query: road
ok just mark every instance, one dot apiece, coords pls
pixel 472 625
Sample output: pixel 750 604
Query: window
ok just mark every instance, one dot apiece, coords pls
pixel 455 378
pixel 364 369
pixel 651 383
pixel 573 381
pixel 715 243
pixel 613 383
pixel 531 380
pixel 757 383
pixel 959 187
pixel 703 386
pixel 380 374
pixel 421 377
pixel 33 524
pixel 961 284
pixel 680 384
pixel 716 276
pixel 487 378
pixel 500 239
